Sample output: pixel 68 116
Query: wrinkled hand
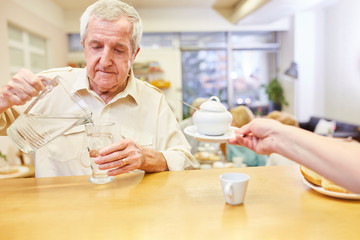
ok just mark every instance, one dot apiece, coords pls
pixel 126 155
pixel 21 88
pixel 120 157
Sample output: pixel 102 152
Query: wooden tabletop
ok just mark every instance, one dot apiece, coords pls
pixel 174 205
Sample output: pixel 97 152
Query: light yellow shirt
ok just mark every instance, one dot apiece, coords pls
pixel 140 113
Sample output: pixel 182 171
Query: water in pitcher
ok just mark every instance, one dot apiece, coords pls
pixel 44 120
pixel 31 132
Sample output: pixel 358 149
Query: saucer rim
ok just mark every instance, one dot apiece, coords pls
pixel 192 131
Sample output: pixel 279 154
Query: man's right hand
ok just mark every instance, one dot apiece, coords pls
pixel 23 86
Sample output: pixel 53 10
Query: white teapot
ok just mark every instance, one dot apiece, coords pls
pixel 212 118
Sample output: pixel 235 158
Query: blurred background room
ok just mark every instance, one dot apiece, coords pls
pixel 246 52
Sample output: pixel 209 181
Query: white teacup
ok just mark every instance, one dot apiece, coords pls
pixel 212 119
pixel 234 186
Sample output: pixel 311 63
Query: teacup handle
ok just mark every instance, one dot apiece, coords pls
pixel 214 98
pixel 229 192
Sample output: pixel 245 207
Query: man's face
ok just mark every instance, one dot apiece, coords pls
pixel 109 55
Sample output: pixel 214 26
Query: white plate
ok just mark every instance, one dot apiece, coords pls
pixel 332 194
pixel 21 170
pixel 192 131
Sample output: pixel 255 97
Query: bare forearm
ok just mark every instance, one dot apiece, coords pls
pixel 335 160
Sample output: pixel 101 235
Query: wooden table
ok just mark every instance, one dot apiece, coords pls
pixel 174 205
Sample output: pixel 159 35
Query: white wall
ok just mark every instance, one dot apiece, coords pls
pixel 286 56
pixel 308 53
pixel 170 62
pixel 342 61
pixel 21 16
pixel 195 19
pixel 45 9
pixel 327 50
pixel 180 19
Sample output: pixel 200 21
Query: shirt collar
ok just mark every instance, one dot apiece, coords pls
pixel 82 83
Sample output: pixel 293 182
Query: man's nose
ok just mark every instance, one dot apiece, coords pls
pixel 106 57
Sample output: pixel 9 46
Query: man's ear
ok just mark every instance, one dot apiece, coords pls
pixel 135 54
pixel 137 51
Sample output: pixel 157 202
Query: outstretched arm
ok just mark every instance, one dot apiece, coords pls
pixel 335 160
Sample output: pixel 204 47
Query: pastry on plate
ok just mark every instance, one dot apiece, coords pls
pixel 311 176
pixel 206 156
pixel 330 186
pixel 319 180
pixel 8 171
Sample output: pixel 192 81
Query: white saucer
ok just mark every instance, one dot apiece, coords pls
pixel 192 131
pixel 20 171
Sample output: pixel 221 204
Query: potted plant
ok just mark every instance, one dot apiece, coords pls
pixel 275 94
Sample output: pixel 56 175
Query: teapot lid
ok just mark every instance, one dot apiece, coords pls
pixel 213 104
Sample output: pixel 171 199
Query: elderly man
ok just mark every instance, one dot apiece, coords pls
pixel 151 138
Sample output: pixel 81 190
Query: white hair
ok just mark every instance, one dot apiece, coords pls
pixel 111 10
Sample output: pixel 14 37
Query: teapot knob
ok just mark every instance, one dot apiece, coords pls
pixel 214 98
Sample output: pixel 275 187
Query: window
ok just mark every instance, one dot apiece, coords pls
pixel 230 65
pixel 26 50
pixel 156 40
pixel 253 63
pixel 204 75
pixel 74 42
pixel 204 66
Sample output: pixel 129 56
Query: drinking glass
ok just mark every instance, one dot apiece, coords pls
pixel 99 136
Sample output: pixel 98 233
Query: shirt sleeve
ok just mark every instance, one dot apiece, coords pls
pixel 6 119
pixel 177 150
